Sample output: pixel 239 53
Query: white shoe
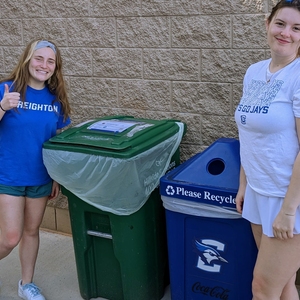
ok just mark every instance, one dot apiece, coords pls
pixel 30 291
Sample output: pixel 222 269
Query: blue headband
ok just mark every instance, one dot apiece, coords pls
pixel 289 1
pixel 43 44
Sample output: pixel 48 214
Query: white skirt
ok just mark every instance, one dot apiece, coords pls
pixel 262 210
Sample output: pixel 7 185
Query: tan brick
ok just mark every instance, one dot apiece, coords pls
pixel 11 56
pixel 204 98
pixel 81 114
pixel 231 7
pixel 94 91
pixel 215 127
pixel 201 32
pixel 91 32
pixel 175 64
pixel 50 29
pixel 170 7
pixel 145 94
pixel 77 61
pixel 142 32
pixel 115 8
pixel 21 9
pixel 187 151
pixel 116 63
pixel 14 28
pixel 241 25
pixel 237 94
pixel 65 9
pixel 194 127
pixel 228 65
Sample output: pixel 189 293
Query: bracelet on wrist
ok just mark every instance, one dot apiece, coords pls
pixel 2 107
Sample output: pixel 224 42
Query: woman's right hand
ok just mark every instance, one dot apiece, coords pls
pixel 10 99
pixel 239 200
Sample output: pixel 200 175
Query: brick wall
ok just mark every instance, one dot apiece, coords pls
pixel 182 59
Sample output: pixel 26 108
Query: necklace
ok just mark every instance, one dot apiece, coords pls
pixel 269 74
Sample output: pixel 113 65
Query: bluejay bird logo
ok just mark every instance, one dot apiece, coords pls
pixel 209 255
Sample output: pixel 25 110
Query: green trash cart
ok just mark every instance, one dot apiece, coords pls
pixel 109 169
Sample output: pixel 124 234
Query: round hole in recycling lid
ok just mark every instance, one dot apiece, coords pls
pixel 216 166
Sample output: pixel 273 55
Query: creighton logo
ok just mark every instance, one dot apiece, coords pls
pixel 170 190
pixel 243 119
pixel 209 256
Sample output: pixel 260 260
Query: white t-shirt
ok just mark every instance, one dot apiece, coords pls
pixel 267 130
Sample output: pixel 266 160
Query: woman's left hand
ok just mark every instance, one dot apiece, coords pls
pixel 283 226
pixel 55 190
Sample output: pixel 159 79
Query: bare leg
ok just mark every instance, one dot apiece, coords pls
pixel 290 291
pixel 11 222
pixel 29 245
pixel 257 233
pixel 276 266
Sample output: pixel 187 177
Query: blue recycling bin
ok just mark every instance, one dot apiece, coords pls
pixel 211 249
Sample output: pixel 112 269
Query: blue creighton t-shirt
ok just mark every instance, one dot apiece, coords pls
pixel 22 134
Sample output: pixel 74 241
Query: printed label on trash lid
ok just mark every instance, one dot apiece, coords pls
pixel 115 126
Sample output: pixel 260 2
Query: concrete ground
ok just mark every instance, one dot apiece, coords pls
pixel 55 270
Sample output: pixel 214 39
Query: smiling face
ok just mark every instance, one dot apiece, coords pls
pixel 284 32
pixel 41 67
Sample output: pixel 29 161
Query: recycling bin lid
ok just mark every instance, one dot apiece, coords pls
pixel 114 136
pixel 210 177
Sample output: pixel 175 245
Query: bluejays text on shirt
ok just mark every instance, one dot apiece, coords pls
pixel 258 96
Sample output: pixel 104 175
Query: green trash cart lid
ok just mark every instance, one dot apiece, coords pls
pixel 114 136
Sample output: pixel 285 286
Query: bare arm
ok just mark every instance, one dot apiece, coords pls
pixel 55 190
pixel 284 223
pixel 56 185
pixel 241 192
pixel 2 112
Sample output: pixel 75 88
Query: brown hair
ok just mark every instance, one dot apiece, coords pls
pixel 56 84
pixel 281 4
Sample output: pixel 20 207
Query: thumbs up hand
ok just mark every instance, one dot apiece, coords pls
pixel 10 99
